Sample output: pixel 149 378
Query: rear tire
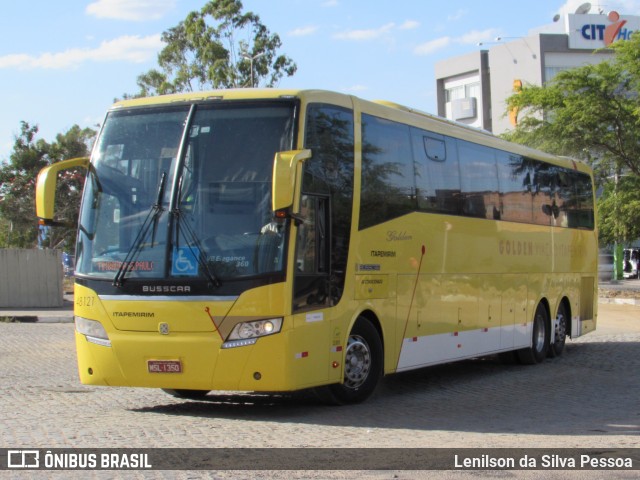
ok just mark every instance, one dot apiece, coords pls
pixel 537 352
pixel 363 367
pixel 189 394
pixel 560 330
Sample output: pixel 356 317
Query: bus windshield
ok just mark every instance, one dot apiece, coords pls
pixel 185 192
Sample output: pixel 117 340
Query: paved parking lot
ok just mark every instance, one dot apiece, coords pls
pixel 589 397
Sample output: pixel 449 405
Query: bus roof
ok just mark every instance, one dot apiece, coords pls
pixel 226 94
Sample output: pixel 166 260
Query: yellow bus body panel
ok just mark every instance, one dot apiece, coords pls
pixel 475 288
pixel 289 360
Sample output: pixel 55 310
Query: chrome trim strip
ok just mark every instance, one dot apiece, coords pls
pixel 104 342
pixel 169 298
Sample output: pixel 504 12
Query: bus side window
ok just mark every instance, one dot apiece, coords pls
pixel 435 148
pixel 327 188
pixel 388 171
pixel 582 213
pixel 436 172
pixel 515 188
pixel 313 253
pixel 314 248
pixel 479 178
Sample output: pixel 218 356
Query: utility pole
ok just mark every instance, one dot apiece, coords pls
pixel 246 56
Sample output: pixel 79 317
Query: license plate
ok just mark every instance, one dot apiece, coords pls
pixel 164 366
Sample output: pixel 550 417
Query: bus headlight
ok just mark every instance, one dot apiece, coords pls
pixel 93 331
pixel 247 333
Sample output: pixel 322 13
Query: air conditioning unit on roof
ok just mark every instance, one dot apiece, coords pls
pixel 464 108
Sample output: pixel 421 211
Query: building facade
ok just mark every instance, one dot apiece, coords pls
pixel 473 88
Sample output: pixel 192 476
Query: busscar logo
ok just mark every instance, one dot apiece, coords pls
pixel 23 459
pixel 166 288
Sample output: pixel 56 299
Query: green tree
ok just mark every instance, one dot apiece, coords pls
pixel 217 47
pixel 17 187
pixel 5 230
pixel 592 113
pixel 618 209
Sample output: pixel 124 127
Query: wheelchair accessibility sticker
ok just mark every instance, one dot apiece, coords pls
pixel 185 261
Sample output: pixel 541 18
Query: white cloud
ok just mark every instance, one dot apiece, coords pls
pixel 476 36
pixel 409 25
pixel 363 35
pixel 432 46
pixel 331 3
pixel 469 38
pixel 356 88
pixel 134 49
pixel 303 31
pixel 570 6
pixel 132 10
pixel 623 7
pixel 385 31
pixel 457 15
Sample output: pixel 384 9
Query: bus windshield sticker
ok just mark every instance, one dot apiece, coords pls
pixel 369 267
pixel 185 261
pixel 315 317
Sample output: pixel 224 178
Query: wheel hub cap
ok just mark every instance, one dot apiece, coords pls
pixel 357 362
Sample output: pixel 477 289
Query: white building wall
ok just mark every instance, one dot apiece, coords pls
pixel 518 60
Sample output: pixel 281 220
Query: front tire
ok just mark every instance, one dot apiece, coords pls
pixel 363 366
pixel 537 352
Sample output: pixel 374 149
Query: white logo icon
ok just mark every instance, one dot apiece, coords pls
pixel 23 459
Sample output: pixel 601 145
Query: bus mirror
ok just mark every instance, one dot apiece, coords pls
pixel 285 175
pixel 551 210
pixel 46 187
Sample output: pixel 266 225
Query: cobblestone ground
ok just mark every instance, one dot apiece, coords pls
pixel 588 397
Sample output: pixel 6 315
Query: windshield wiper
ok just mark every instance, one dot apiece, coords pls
pixel 152 219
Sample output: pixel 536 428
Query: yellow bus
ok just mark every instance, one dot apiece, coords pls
pixel 279 240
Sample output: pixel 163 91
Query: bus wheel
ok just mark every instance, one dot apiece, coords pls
pixel 363 363
pixel 190 394
pixel 537 352
pixel 560 327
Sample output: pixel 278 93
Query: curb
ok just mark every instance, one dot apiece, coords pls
pixel 56 319
pixel 620 301
pixel 37 316
pixel 21 318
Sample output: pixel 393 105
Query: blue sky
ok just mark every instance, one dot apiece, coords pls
pixel 63 63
